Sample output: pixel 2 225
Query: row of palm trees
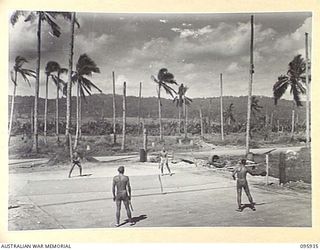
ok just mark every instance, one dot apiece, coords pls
pixel 84 67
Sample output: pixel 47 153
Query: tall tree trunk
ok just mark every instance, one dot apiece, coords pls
pixel 308 94
pixel 221 108
pixel 139 108
pixel 46 111
pixel 292 123
pixel 114 108
pixel 80 116
pixel 36 87
pixel 68 113
pixel 250 91
pixel 12 104
pixel 185 119
pixel 57 111
pixel 179 117
pixel 77 117
pixel 124 106
pixel 160 115
pixel 201 124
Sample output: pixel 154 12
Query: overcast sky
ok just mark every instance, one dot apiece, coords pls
pixel 196 48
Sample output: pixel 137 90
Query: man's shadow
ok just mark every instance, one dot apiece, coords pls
pixel 134 219
pixel 248 205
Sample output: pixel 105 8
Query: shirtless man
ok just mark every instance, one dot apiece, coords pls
pixel 76 161
pixel 122 184
pixel 164 160
pixel 241 173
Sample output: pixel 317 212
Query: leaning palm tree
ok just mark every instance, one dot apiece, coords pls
pixel 295 79
pixel 50 18
pixel 60 84
pixel 25 73
pixel 85 67
pixel 50 68
pixel 163 80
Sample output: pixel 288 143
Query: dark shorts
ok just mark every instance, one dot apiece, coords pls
pixel 242 184
pixel 76 162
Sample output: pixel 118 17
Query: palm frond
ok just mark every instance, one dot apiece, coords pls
pixel 86 66
pixel 280 87
pixel 31 16
pixel 90 84
pixel 51 67
pixel 296 96
pixel 168 89
pixel 16 15
pixel 50 19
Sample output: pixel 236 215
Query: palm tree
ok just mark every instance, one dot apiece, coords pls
pixel 296 80
pixel 179 100
pixel 255 107
pixel 59 83
pixel 50 68
pixel 163 80
pixel 228 114
pixel 50 18
pixel 25 73
pixel 85 67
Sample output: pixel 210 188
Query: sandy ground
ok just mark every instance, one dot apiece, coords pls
pixel 42 198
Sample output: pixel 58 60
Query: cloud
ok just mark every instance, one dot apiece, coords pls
pixel 191 32
pixel 186 24
pixel 233 68
pixel 163 21
pixel 294 41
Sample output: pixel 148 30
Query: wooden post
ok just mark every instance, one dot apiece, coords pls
pixel 114 108
pixel 292 124
pixel 267 169
pixel 145 139
pixel 201 124
pixel 251 71
pixel 278 125
pixel 221 108
pixel 308 95
pixel 139 108
pixel 282 168
pixel 124 105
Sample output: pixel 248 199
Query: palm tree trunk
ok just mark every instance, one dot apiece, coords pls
pixel 221 108
pixel 12 103
pixel 292 123
pixel 160 116
pixel 80 116
pixel 124 105
pixel 249 91
pixel 68 113
pixel 185 119
pixel 36 87
pixel 46 112
pixel 139 108
pixel 114 108
pixel 77 118
pixel 57 113
pixel 201 124
pixel 179 117
pixel 308 94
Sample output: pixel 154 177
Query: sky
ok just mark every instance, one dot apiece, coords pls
pixel 196 48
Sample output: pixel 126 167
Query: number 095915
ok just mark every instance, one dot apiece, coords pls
pixel 309 246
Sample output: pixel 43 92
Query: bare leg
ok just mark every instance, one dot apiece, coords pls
pixel 80 168
pixel 239 193
pixel 118 202
pixel 167 165
pixel 161 168
pixel 246 189
pixel 71 170
pixel 126 204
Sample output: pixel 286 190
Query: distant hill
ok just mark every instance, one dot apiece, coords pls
pixel 99 106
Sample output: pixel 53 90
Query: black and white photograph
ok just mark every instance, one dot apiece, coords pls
pixel 159 120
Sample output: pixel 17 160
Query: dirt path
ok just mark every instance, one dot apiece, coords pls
pixel 191 197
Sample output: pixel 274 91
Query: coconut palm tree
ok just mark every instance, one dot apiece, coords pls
pixel 164 79
pixel 25 73
pixel 50 18
pixel 60 85
pixel 255 107
pixel 85 67
pixel 296 80
pixel 50 68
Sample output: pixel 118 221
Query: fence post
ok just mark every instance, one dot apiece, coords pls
pixel 282 168
pixel 267 169
pixel 143 151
